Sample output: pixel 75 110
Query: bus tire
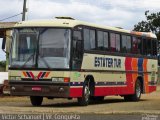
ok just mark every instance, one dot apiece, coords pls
pixel 84 100
pixel 36 100
pixel 137 95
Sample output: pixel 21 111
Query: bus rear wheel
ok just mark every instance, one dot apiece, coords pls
pixel 84 100
pixel 137 95
pixel 36 100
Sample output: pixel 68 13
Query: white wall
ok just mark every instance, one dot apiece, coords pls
pixel 3 76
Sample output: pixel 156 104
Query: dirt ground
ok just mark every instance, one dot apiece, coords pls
pixel 150 103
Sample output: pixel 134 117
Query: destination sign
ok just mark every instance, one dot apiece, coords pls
pixel 107 62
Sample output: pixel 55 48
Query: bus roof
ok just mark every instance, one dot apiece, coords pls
pixel 69 22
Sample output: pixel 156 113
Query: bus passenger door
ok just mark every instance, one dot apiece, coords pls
pixel 77 49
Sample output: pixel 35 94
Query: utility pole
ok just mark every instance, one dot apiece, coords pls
pixel 24 11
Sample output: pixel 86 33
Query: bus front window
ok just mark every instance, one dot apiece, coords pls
pixel 23 48
pixel 54 48
pixel 40 48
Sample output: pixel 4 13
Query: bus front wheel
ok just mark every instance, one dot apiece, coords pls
pixel 137 94
pixel 36 100
pixel 84 100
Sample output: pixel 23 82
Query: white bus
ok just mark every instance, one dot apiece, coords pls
pixel 67 58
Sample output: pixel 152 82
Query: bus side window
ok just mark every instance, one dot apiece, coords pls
pixel 86 40
pixel 89 39
pixel 149 47
pixel 140 51
pixel 136 45
pixel 106 45
pixel 92 39
pixel 77 50
pixel 126 44
pixel 145 46
pixel 118 43
pixel 114 42
pixel 129 44
pixel 102 40
pixel 154 47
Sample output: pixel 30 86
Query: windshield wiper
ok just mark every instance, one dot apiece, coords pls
pixel 30 57
pixel 45 62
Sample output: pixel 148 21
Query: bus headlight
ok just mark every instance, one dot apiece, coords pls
pixel 12 78
pixel 15 78
pixel 57 79
pixel 18 78
pixel 65 79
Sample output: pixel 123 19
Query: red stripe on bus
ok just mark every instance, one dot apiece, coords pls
pixel 39 75
pixel 105 91
pixel 151 89
pixel 31 74
pixel 128 67
pixel 102 91
pixel 76 92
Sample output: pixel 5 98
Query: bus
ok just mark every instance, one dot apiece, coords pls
pixel 68 58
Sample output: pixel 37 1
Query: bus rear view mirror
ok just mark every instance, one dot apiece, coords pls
pixel 4 43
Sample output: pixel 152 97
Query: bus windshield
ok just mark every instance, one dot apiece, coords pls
pixel 40 48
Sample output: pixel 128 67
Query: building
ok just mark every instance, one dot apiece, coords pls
pixel 5 32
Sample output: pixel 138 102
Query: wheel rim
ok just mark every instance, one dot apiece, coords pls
pixel 86 93
pixel 138 90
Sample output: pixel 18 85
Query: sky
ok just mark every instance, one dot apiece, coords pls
pixel 117 13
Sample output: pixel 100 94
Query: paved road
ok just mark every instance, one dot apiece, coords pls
pixel 150 103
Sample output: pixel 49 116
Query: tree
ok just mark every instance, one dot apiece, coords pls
pixel 2 66
pixel 151 24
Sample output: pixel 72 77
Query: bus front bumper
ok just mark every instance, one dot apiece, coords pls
pixel 39 88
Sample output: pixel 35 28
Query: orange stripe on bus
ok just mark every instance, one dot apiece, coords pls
pixel 145 75
pixel 24 73
pixel 136 33
pixel 134 64
pixel 47 73
pixel 145 65
pixel 134 68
